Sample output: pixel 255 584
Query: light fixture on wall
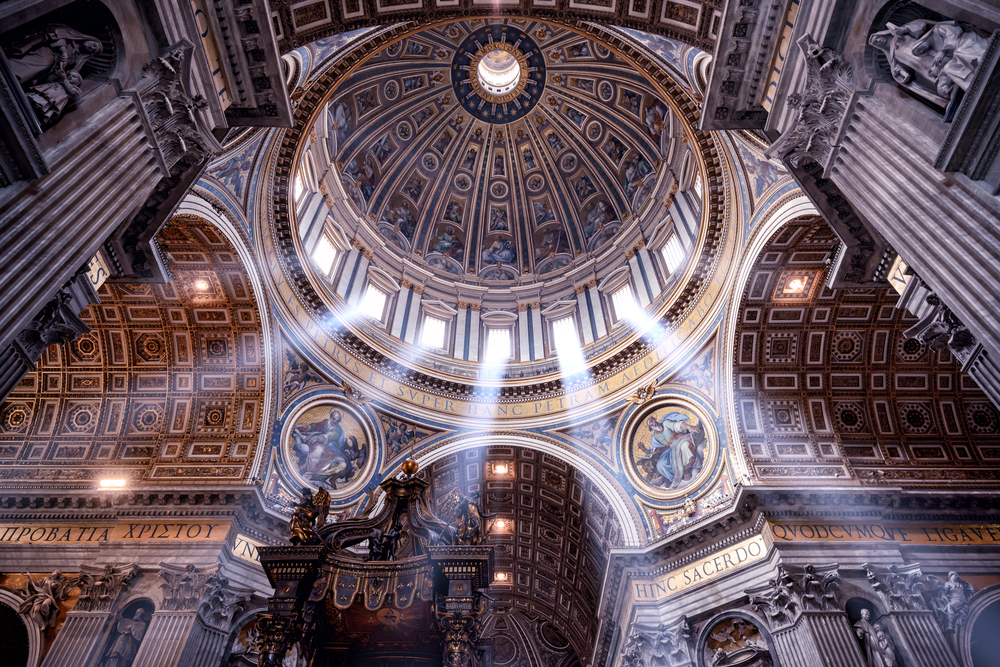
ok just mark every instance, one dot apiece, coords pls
pixel 201 285
pixel 501 524
pixel 501 468
pixel 112 483
pixel 501 576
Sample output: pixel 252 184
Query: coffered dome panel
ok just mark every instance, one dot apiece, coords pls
pixel 490 187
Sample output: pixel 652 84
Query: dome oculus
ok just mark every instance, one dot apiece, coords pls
pixel 498 72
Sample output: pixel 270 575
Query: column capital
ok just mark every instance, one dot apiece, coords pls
pixel 100 587
pixel 184 585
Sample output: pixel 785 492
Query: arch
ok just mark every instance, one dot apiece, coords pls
pixel 628 518
pixel 31 632
pixel 239 623
pixel 757 622
pixel 794 208
pixel 195 205
pixel 985 601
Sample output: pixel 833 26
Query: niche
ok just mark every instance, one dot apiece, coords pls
pixel 61 58
pixel 985 640
pixel 127 633
pixel 871 630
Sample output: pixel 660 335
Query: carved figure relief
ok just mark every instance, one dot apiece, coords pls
pixel 42 600
pixel 736 641
pixel 48 66
pixel 933 59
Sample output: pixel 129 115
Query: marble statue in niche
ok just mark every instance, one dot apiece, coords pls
pixel 130 630
pixel 48 66
pixel 328 447
pixel 877 646
pixel 933 59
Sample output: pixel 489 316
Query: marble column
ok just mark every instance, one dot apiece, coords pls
pixel 818 638
pixel 686 214
pixel 920 639
pixel 524 342
pixel 359 280
pixel 583 306
pixel 461 334
pixel 85 629
pixel 81 637
pixel 191 628
pixel 347 276
pixel 401 310
pixel 410 332
pixel 473 329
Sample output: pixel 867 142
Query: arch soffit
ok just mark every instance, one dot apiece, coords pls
pixel 195 205
pixel 794 208
pixel 292 276
pixel 625 510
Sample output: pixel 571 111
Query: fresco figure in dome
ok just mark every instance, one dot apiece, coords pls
pixel 584 187
pixel 499 252
pixel 543 212
pixel 498 220
pixel 340 119
pixel 657 120
pixel 363 176
pixel 382 148
pixel 529 159
pixel 615 150
pixel 597 218
pixel 453 212
pixel 553 241
pixel 675 452
pixel 449 244
pixel 401 217
pixel 470 160
pixel 554 141
pixel 637 169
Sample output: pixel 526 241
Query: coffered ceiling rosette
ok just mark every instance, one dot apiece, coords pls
pixel 503 205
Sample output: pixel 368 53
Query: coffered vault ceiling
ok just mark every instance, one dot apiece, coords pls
pixel 488 188
pixel 827 385
pixel 553 546
pixel 167 388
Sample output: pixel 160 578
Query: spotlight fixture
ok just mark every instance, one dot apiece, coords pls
pixel 112 483
pixel 501 524
pixel 501 576
pixel 201 285
pixel 795 286
pixel 500 468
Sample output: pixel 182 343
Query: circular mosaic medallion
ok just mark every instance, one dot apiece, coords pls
pixel 403 131
pixel 329 444
pixel 498 73
pixel 670 448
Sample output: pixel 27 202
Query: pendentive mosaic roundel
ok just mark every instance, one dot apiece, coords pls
pixel 670 448
pixel 328 444
pixel 499 50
